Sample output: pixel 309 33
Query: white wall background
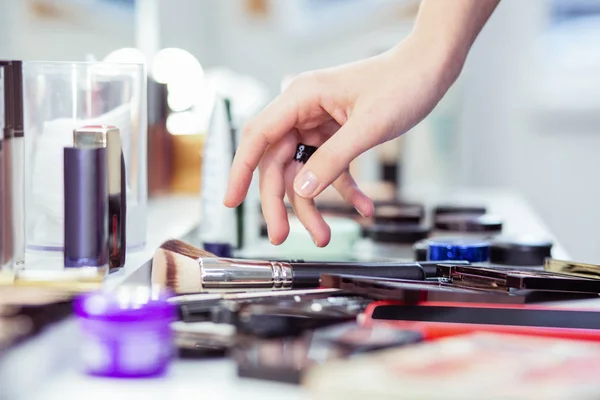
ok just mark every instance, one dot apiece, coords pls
pixel 510 138
pixel 70 36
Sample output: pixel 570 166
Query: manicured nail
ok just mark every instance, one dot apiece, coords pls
pixel 313 238
pixel 305 184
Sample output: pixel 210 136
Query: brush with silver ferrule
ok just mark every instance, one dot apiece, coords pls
pixel 184 268
pixel 109 138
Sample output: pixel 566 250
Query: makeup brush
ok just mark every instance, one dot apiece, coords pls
pixel 184 268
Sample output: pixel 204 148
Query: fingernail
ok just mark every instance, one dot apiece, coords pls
pixel 305 184
pixel 313 238
pixel 358 211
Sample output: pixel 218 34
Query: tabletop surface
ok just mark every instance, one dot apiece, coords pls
pixel 46 367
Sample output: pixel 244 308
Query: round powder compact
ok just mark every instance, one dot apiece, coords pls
pixel 420 250
pixel 520 251
pixel 126 333
pixel 443 209
pixel 400 213
pixel 396 234
pixel 457 249
pixel 469 223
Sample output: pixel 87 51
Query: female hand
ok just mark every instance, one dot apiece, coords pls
pixel 344 111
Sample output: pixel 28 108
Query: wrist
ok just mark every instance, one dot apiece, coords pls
pixel 442 62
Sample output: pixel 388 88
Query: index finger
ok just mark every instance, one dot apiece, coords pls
pixel 275 121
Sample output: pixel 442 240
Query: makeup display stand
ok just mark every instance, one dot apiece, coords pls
pixel 47 368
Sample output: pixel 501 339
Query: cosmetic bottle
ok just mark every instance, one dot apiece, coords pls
pixel 18 166
pixel 85 208
pixel 13 166
pixel 126 333
pixel 218 227
pixel 4 257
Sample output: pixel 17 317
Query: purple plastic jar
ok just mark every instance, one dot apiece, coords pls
pixel 126 333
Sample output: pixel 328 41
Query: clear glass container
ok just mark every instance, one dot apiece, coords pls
pixel 59 97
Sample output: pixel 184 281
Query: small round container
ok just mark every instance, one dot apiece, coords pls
pixel 527 251
pixel 484 226
pixel 390 241
pixel 443 209
pixel 457 249
pixel 420 250
pixel 399 213
pixel 126 333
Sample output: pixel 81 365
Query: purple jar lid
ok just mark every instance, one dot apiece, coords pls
pixel 126 304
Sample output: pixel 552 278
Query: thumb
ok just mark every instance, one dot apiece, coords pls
pixel 332 158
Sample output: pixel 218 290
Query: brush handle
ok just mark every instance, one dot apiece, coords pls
pixel 308 275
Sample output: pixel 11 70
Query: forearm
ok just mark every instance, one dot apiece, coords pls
pixel 451 26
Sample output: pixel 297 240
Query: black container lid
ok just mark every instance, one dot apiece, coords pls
pixel 459 209
pixel 397 234
pixel 521 251
pixel 420 249
pixel 468 223
pixel 401 213
pixel 264 231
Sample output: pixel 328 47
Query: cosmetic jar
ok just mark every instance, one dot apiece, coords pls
pixel 485 226
pixel 442 209
pixel 399 213
pixel 59 98
pixel 420 250
pixel 126 333
pixel 389 242
pixel 455 249
pixel 524 251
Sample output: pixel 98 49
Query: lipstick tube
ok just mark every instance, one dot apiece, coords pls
pixel 86 208
pixel 109 137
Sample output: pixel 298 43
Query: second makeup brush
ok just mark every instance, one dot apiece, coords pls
pixel 188 269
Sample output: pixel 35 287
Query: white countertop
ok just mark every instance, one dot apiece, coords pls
pixel 53 354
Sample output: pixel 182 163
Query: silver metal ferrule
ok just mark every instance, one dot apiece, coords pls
pixel 227 273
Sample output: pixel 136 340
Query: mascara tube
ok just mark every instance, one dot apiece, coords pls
pixel 8 232
pixel 86 208
pixel 17 154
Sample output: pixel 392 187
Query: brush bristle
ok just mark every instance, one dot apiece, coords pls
pixel 185 249
pixel 176 271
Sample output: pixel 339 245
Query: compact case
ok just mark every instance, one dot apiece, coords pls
pixel 520 251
